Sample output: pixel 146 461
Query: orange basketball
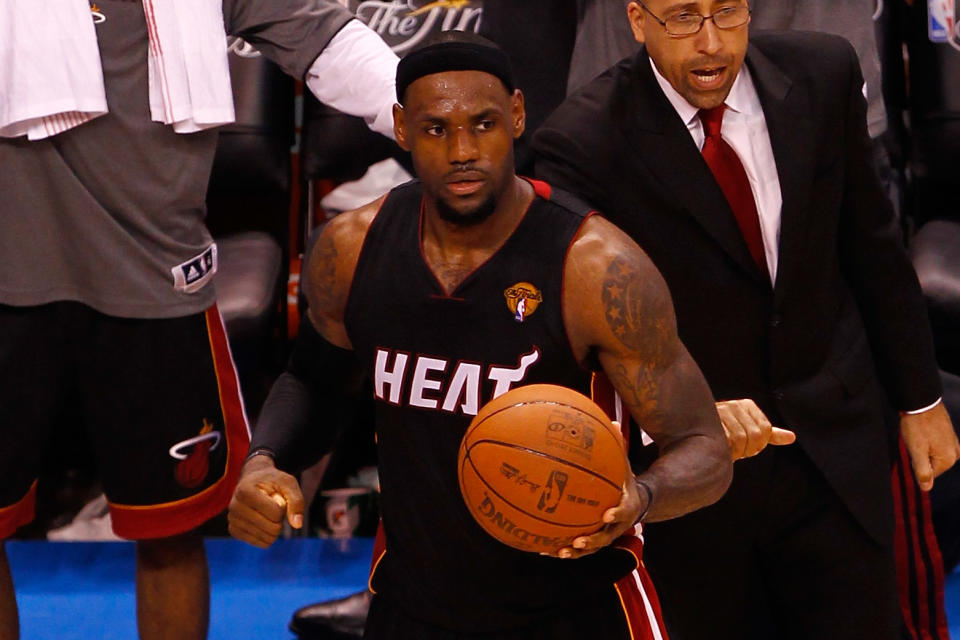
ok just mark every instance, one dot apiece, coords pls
pixel 539 465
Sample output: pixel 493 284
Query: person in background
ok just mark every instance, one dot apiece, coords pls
pixel 108 121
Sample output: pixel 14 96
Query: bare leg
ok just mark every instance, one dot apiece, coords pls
pixel 173 588
pixel 9 620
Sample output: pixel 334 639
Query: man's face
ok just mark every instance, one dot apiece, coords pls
pixel 459 127
pixel 702 66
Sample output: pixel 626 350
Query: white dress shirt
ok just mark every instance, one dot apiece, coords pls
pixel 745 129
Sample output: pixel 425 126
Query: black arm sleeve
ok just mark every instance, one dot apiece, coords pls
pixel 310 403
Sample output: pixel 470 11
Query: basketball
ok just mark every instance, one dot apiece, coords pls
pixel 539 465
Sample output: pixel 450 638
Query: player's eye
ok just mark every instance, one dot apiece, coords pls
pixel 486 125
pixel 685 17
pixel 434 130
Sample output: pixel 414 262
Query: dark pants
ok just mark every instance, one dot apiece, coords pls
pixel 779 557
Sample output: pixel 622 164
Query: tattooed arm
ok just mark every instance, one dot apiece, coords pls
pixel 330 268
pixel 617 306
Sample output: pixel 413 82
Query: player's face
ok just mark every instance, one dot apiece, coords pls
pixel 459 127
pixel 702 66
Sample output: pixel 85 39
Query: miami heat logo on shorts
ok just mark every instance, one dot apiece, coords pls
pixel 194 456
pixel 522 299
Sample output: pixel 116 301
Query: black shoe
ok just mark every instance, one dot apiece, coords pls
pixel 341 619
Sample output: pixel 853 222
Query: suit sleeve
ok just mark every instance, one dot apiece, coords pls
pixel 875 262
pixel 563 163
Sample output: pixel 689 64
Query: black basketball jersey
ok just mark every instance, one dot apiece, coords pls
pixel 434 360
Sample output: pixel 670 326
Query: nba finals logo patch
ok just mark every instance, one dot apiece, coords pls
pixel 98 16
pixel 194 456
pixel 522 299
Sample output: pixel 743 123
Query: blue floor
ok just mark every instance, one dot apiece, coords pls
pixel 85 590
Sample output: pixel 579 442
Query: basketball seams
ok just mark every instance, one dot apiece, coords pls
pixel 605 422
pixel 517 447
pixel 578 527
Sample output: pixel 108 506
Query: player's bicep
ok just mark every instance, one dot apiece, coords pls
pixel 641 353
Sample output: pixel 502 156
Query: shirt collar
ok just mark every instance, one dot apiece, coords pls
pixel 742 97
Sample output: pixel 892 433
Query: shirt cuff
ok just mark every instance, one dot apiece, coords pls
pixel 924 410
pixel 356 73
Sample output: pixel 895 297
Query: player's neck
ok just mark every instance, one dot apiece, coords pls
pixel 452 251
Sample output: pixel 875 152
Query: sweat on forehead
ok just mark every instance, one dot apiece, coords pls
pixel 453 51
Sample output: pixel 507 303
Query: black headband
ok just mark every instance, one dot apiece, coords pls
pixel 453 56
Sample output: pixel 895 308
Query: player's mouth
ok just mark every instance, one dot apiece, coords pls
pixel 708 78
pixel 465 183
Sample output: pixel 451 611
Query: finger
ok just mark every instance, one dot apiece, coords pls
pixel 780 436
pixel 245 531
pixel 619 429
pixel 256 496
pixel 289 492
pixel 736 434
pixel 922 469
pixel 253 521
pixel 755 425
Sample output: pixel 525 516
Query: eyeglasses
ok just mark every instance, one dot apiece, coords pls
pixel 687 23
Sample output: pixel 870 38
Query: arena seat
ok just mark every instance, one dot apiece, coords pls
pixel 248 213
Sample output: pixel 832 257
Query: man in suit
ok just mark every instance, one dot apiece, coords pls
pixel 792 292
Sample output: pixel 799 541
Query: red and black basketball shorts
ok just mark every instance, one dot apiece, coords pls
pixel 157 400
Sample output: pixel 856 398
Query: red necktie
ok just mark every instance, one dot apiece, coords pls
pixel 728 170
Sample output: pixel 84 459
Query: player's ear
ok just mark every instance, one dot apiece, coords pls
pixel 400 127
pixel 518 113
pixel 637 17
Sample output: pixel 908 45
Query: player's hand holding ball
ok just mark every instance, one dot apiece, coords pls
pixel 543 469
pixel 617 520
pixel 263 498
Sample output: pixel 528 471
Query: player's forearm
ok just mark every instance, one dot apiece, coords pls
pixel 689 474
pixel 309 403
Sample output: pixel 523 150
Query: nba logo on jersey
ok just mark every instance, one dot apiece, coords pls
pixel 193 274
pixel 941 20
pixel 522 300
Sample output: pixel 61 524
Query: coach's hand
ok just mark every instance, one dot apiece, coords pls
pixel 264 496
pixel 748 429
pixel 931 442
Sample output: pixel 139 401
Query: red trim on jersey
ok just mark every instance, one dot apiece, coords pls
pixel 19 513
pixel 641 606
pixel 379 550
pixel 171 518
pixel 540 187
pixel 603 393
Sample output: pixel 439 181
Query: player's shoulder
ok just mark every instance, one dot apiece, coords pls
pixel 601 245
pixel 349 229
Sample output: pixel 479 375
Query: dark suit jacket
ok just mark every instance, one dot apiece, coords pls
pixel 843 335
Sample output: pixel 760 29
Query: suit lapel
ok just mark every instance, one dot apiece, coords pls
pixel 792 136
pixel 652 123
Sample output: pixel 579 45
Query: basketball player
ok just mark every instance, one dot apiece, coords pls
pixel 448 292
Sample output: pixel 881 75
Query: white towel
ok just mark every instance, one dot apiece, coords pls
pixel 51 79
